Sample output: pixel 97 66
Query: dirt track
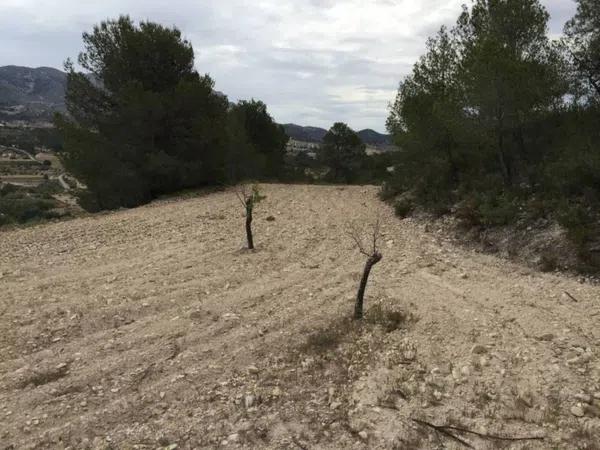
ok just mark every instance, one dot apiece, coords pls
pixel 153 327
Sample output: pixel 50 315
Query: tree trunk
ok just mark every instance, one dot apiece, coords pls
pixel 249 225
pixel 504 167
pixel 358 307
pixel 453 166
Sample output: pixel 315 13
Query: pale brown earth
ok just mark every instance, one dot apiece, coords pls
pixel 153 328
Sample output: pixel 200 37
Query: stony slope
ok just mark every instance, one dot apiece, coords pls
pixel 153 327
pixel 31 93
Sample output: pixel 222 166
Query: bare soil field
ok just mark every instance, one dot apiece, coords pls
pixel 153 328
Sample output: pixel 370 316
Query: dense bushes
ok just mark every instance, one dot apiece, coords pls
pixel 500 124
pixel 23 205
pixel 30 138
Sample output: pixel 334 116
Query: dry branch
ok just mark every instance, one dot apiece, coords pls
pixel 442 430
pixel 447 430
pixel 248 197
pixel 373 257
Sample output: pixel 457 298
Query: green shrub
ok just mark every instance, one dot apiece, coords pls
pixel 498 211
pixel 48 188
pixel 22 205
pixel 579 222
pixel 404 207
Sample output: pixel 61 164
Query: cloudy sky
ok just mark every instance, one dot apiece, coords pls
pixel 312 61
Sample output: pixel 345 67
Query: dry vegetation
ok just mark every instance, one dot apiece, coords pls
pixel 154 327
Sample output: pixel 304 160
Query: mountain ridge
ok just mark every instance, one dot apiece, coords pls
pixel 31 93
pixel 316 134
pixel 28 93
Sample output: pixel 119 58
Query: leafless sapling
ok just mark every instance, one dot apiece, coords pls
pixel 249 197
pixel 371 251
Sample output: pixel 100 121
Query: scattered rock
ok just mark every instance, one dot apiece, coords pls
pixel 271 219
pixel 230 317
pixel 546 337
pixel 363 435
pixel 577 411
pixel 479 350
pixel 196 315
pixel 253 370
pixel 249 401
pixel 244 426
pixel 585 398
pixel 456 374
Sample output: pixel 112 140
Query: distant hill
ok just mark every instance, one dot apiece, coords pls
pixel 27 93
pixel 306 134
pixel 35 94
pixel 372 137
pixel 315 134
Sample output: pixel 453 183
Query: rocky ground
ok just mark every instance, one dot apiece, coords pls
pixel 154 328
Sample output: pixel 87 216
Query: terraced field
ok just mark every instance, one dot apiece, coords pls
pixel 154 328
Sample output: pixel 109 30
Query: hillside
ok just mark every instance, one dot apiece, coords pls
pixel 27 93
pixel 152 327
pixel 315 134
pixel 305 134
pixel 374 138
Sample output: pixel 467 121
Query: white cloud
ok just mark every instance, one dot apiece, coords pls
pixel 313 61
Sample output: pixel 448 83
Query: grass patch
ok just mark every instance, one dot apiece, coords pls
pixel 346 329
pixel 390 319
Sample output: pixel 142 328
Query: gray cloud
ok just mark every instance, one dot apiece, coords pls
pixel 313 62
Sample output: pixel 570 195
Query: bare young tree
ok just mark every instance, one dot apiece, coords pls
pixel 371 251
pixel 249 197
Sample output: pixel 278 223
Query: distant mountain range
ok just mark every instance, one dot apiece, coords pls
pixel 27 93
pixel 35 94
pixel 315 134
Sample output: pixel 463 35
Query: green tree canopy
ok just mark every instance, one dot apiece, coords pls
pixel 142 122
pixel 492 126
pixel 426 118
pixel 268 139
pixel 508 71
pixel 343 152
pixel 583 37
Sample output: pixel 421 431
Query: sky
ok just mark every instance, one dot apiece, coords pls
pixel 313 62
